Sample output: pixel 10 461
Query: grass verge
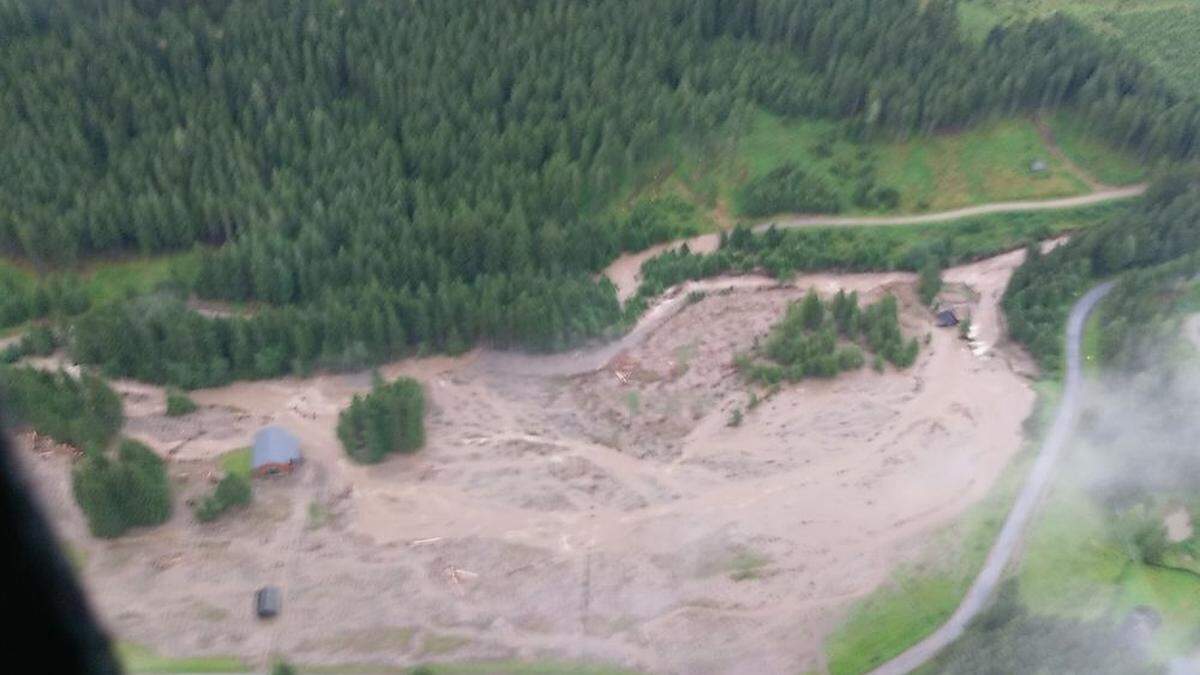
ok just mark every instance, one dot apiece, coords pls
pixel 237 462
pixel 478 668
pixel 1090 344
pixel 138 659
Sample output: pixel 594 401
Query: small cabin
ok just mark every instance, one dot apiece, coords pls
pixel 268 601
pixel 275 452
pixel 946 318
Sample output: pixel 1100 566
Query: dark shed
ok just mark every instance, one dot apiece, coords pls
pixel 268 601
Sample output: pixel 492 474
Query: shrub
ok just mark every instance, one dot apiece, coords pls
pixel 930 280
pixel 179 404
pixel 735 418
pixel 1141 535
pixel 130 490
pixel 39 341
pixel 233 490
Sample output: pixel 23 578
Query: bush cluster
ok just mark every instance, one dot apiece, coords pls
pixel 128 489
pixel 81 412
pixel 819 340
pixel 389 419
pixel 233 490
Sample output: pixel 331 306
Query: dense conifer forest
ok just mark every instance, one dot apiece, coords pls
pixel 388 177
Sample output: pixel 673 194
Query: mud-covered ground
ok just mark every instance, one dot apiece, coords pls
pixel 608 515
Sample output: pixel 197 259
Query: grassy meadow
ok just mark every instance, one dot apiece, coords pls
pixel 1072 568
pixel 986 163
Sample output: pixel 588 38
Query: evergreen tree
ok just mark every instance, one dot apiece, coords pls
pixel 391 418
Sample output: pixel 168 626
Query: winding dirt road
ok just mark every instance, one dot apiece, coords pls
pixel 1101 196
pixel 624 272
pixel 1035 485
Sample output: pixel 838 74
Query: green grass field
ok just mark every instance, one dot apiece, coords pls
pixel 112 278
pixel 987 163
pixel 1168 35
pixel 236 462
pixel 116 278
pixel 1101 162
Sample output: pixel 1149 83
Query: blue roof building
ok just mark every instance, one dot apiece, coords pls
pixel 275 451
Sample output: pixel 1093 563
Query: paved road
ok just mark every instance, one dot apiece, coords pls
pixel 1035 485
pixel 946 216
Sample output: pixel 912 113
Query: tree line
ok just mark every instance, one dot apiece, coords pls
pixel 1143 316
pixel 157 338
pixel 783 252
pixel 23 299
pixel 1164 226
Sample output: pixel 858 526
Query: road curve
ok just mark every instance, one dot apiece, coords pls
pixel 946 216
pixel 1035 485
pixel 625 271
